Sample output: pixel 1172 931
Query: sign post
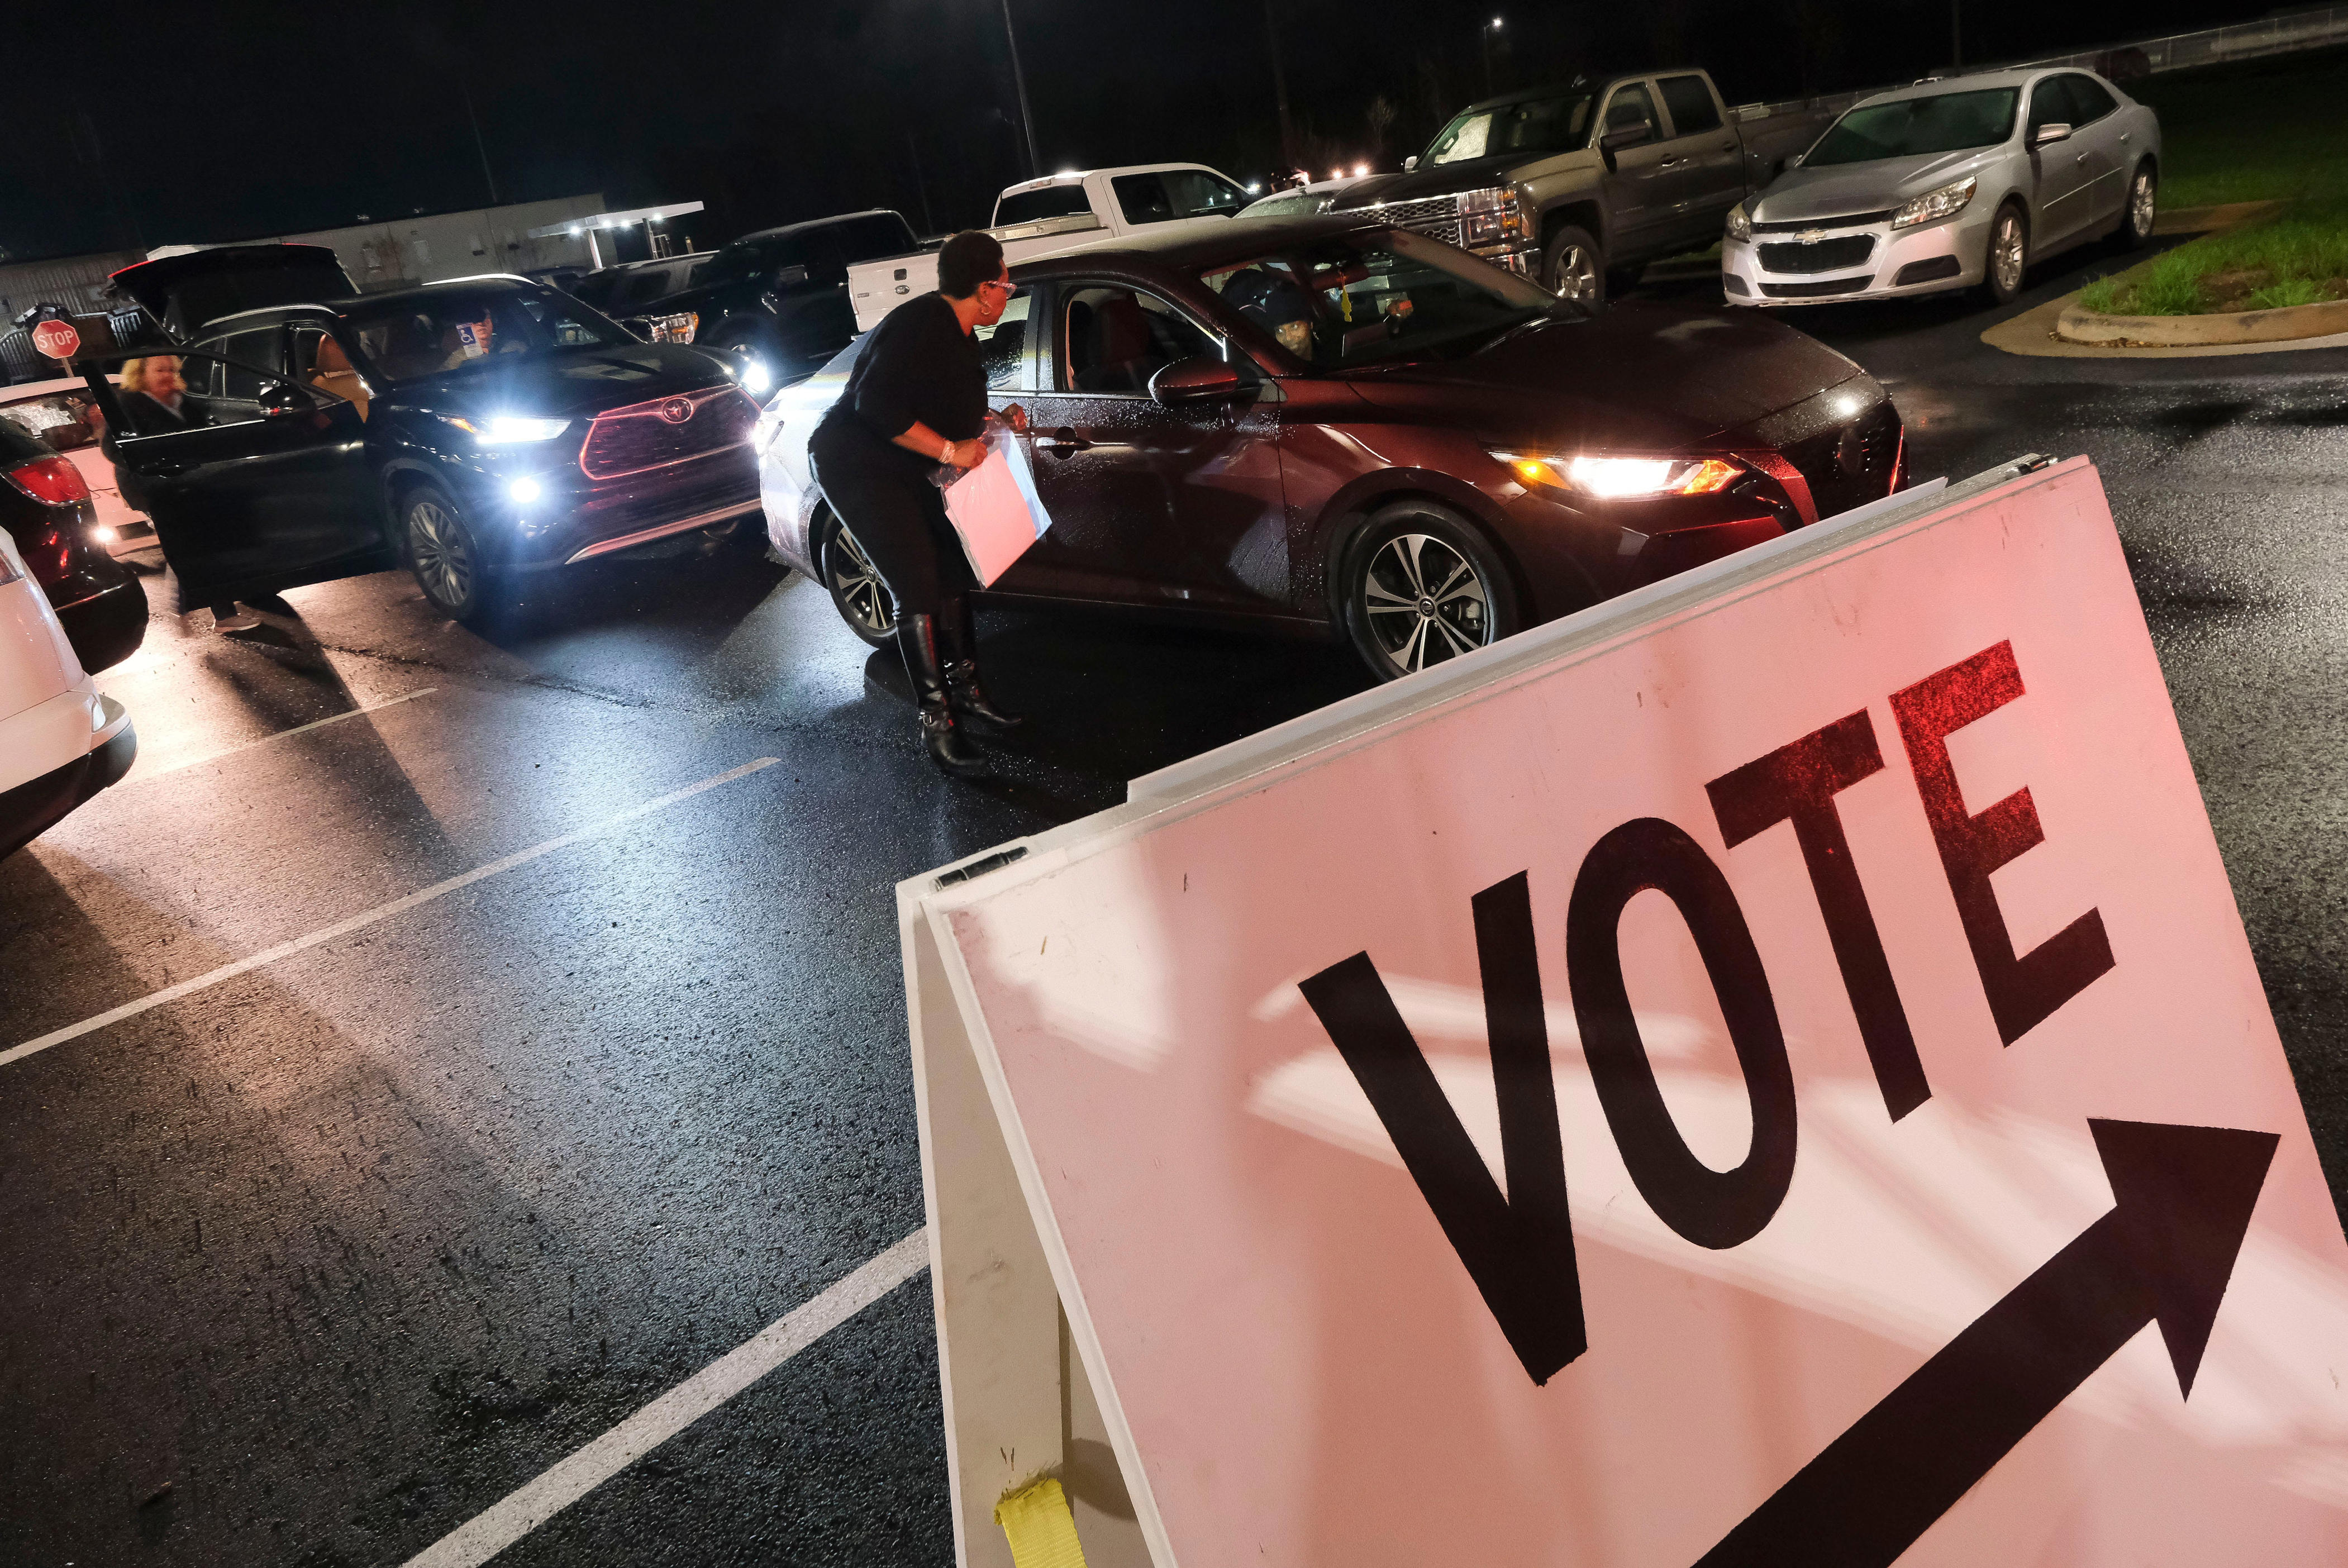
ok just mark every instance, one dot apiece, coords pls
pixel 1767 1070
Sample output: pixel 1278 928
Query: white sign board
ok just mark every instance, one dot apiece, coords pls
pixel 1767 1072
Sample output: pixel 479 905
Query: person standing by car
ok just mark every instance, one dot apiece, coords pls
pixel 155 403
pixel 916 399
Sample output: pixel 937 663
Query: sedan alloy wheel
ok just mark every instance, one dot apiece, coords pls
pixel 1424 601
pixel 443 555
pixel 2009 255
pixel 862 599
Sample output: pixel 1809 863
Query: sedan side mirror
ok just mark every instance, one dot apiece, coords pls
pixel 280 400
pixel 2056 132
pixel 1199 379
pixel 1410 163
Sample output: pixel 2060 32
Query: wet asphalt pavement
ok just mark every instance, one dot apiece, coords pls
pixel 314 1264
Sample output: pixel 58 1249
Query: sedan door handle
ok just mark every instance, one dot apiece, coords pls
pixel 2081 158
pixel 1063 441
pixel 2124 136
pixel 1666 163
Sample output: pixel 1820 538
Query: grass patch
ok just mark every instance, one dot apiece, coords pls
pixel 2298 258
pixel 2258 131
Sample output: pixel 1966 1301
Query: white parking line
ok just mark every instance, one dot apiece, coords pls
pixel 359 921
pixel 485 1536
pixel 140 777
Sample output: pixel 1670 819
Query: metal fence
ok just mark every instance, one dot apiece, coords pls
pixel 2314 29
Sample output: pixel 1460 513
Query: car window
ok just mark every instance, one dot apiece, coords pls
pixel 1940 122
pixel 1034 206
pixel 1533 127
pixel 59 422
pixel 322 365
pixel 1002 348
pixel 463 329
pixel 1196 193
pixel 1113 339
pixel 1630 108
pixel 866 239
pixel 2050 103
pixel 1690 101
pixel 1142 198
pixel 2089 101
pixel 641 288
pixel 1385 296
pixel 247 360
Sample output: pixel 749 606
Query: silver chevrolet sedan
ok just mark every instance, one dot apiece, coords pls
pixel 1949 184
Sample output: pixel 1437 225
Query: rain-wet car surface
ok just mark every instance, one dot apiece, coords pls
pixel 1348 430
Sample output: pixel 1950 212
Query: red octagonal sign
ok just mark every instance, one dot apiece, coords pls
pixel 57 339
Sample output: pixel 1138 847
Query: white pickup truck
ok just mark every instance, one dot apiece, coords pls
pixel 1053 214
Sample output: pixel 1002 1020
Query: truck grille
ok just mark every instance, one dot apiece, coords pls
pixel 1437 217
pixel 667 430
pixel 1818 255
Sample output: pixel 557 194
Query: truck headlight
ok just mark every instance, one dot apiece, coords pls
pixel 1934 205
pixel 1740 223
pixel 1622 477
pixel 1491 217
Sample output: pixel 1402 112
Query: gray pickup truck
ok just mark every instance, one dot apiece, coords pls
pixel 1579 186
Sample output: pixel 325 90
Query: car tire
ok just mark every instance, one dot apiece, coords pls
pixel 444 554
pixel 857 591
pixel 1420 586
pixel 2006 260
pixel 1574 268
pixel 2137 211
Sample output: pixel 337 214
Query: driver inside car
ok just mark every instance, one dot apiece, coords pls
pixel 1275 304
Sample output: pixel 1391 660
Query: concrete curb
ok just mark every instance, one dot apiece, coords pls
pixel 2078 325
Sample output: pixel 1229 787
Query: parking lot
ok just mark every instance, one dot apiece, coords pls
pixel 561 1045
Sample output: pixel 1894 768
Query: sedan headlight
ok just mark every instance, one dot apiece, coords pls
pixel 1740 223
pixel 1622 477
pixel 1491 217
pixel 1934 205
pixel 510 430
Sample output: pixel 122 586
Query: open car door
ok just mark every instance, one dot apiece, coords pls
pixel 262 486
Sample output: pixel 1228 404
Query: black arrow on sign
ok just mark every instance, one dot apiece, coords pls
pixel 2164 1253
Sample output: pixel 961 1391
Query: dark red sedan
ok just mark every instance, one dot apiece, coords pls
pixel 1354 431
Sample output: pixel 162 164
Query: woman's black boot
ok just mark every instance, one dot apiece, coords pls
pixel 959 648
pixel 917 640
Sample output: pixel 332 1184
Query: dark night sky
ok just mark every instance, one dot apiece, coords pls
pixel 217 120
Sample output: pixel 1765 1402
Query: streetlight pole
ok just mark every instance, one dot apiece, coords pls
pixel 1484 37
pixel 1279 91
pixel 1019 81
pixel 1956 35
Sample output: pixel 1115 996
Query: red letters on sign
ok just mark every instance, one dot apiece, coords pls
pixel 2023 989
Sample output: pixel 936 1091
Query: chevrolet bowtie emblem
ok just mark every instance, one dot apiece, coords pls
pixel 1811 236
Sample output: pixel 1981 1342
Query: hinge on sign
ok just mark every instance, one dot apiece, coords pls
pixel 981 866
pixel 2031 464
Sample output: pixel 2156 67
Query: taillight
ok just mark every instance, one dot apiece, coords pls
pixel 51 482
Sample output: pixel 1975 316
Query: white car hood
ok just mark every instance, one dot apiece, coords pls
pixel 1843 189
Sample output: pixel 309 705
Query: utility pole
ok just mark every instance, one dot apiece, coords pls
pixel 478 144
pixel 1485 38
pixel 1019 81
pixel 928 225
pixel 1280 90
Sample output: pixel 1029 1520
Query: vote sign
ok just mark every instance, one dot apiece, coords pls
pixel 57 339
pixel 1769 1074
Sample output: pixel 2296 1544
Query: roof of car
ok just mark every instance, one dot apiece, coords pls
pixel 1558 89
pixel 1079 176
pixel 1203 241
pixel 801 227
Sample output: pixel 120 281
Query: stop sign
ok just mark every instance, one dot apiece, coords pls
pixel 57 339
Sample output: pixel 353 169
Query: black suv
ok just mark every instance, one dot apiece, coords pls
pixel 466 429
pixel 777 298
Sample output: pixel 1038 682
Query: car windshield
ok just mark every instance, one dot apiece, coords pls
pixel 1945 122
pixel 1379 297
pixel 463 329
pixel 1537 125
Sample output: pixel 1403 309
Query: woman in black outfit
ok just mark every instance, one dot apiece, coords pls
pixel 917 399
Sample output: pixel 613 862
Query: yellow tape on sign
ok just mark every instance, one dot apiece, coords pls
pixel 1042 1531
